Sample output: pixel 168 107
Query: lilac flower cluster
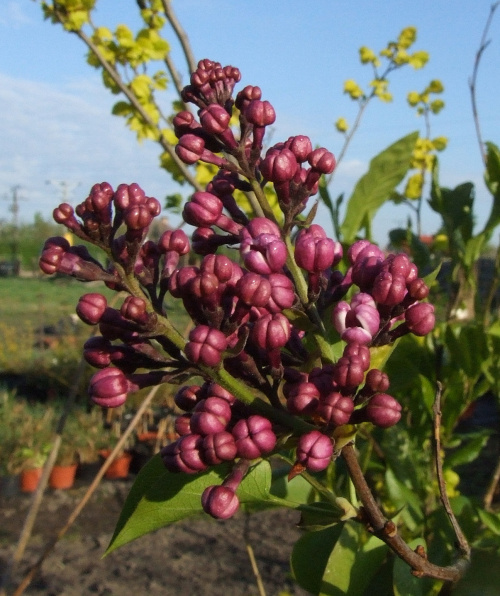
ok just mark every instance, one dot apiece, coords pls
pixel 256 316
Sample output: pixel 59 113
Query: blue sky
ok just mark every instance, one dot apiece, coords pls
pixel 55 115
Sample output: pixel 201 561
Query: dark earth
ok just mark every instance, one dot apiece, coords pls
pixel 199 556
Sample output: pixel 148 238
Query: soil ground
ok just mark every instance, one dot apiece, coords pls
pixel 195 557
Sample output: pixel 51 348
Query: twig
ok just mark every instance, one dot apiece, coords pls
pixel 253 561
pixel 376 522
pixel 181 34
pixel 472 81
pixel 490 491
pixel 91 489
pixel 463 545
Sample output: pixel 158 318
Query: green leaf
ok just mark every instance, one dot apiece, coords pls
pixel 490 520
pixel 406 584
pixel 386 171
pixel 319 515
pixel 310 556
pixel 159 498
pixel 469 451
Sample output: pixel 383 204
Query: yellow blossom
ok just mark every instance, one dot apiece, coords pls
pixel 353 89
pixel 341 125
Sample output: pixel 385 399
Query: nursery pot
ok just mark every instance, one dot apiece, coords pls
pixel 120 466
pixel 30 479
pixel 62 477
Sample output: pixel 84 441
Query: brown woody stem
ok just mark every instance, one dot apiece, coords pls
pixel 386 530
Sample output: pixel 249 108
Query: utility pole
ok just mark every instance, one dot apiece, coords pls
pixel 14 209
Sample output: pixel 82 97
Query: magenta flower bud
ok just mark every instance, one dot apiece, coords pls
pixel 389 289
pixel 134 309
pixel 377 381
pixel 180 279
pixel 203 209
pixel 254 437
pixel 271 331
pixel 52 253
pixel 279 165
pixel 314 252
pixel 420 318
pixel 215 390
pixel 282 293
pixel 97 352
pixel 184 455
pixel 365 270
pixel 254 289
pixel 349 372
pixel 65 215
pixel 128 195
pixel 191 149
pixel 246 95
pixel 263 252
pixel 184 122
pixel 218 447
pixel 219 265
pixel 399 264
pixel 322 160
pixel 91 307
pixel 300 146
pixel 260 113
pixel 314 451
pixel 336 409
pixel 359 350
pixel 363 249
pixel 357 322
pixel 418 289
pixel 220 502
pixel 109 388
pixel 214 119
pixel 205 345
pixel 303 399
pixel 210 416
pixel 383 410
pixel 182 425
pixel 187 397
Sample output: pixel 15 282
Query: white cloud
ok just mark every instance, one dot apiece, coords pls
pixel 68 134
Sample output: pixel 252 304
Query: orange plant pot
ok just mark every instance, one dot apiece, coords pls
pixel 30 479
pixel 62 477
pixel 120 467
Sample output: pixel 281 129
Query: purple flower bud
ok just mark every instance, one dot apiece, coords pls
pixel 263 251
pixel 420 318
pixel 183 455
pixel 218 447
pixel 246 95
pixel 300 146
pixel 109 388
pixel 399 264
pixel 254 289
pixel 128 195
pixel 363 249
pixel 314 252
pixel 210 416
pixel 322 160
pixel 180 279
pixel 271 331
pixel 349 372
pixel 383 410
pixel 358 323
pixel 219 265
pixel 205 345
pixel 220 502
pixel 359 350
pixel 418 289
pixel 336 409
pixel 203 209
pixel 187 397
pixel 215 390
pixel 303 399
pixel 389 289
pixel 314 451
pixel 134 309
pixel 174 240
pixel 65 215
pixel 52 253
pixel 191 148
pixel 183 425
pixel 282 292
pixel 254 437
pixel 365 270
pixel 215 121
pixel 260 113
pixel 279 165
pixel 377 381
pixel 97 351
pixel 91 307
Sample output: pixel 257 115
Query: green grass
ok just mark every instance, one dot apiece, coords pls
pixel 41 301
